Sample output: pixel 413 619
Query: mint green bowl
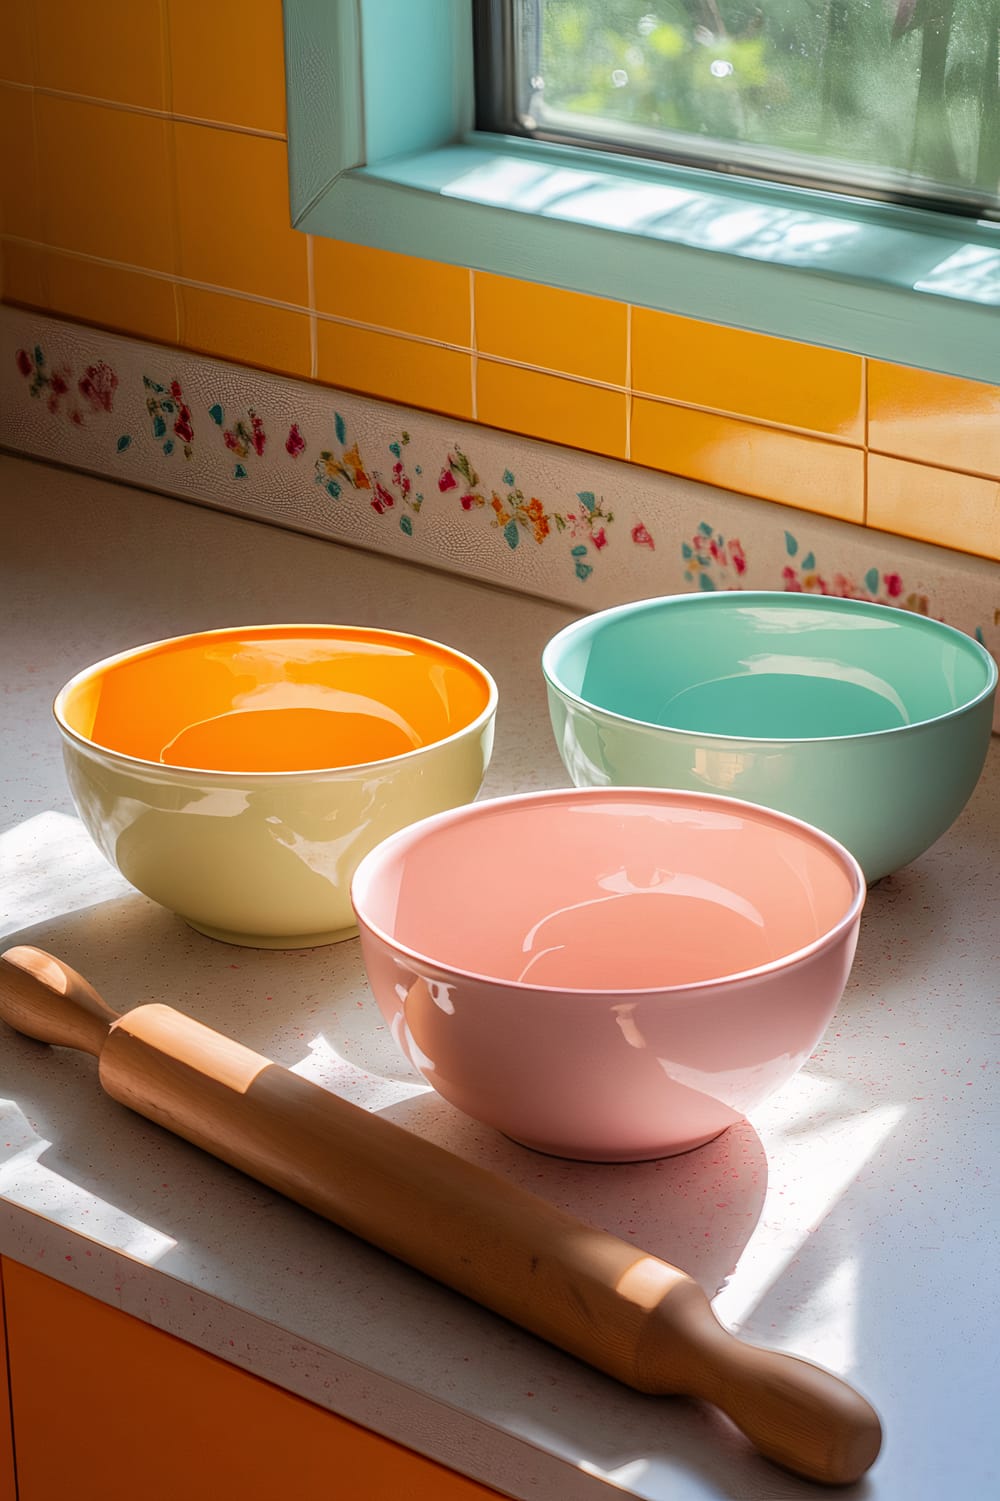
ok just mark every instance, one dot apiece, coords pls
pixel 868 722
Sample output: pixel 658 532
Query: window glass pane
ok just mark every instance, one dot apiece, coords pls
pixel 899 98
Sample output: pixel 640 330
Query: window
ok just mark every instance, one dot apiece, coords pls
pixel 893 99
pixel 384 151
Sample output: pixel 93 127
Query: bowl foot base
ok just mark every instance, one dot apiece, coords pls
pixel 267 941
pixel 650 1154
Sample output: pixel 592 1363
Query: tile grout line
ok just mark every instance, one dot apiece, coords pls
pixel 867 450
pixel 146 109
pixel 167 79
pixel 36 169
pixel 628 381
pixel 36 158
pixel 473 346
pixel 311 296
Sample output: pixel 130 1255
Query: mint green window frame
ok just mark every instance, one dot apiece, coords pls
pixel 383 152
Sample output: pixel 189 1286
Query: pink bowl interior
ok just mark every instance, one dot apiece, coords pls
pixel 607 889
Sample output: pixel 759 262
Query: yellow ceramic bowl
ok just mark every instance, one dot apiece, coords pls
pixel 238 776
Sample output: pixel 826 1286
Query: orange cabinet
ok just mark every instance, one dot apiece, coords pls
pixel 106 1408
pixel 8 1490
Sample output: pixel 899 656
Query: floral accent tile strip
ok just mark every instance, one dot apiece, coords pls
pixel 579 529
pixel 711 562
pixel 803 575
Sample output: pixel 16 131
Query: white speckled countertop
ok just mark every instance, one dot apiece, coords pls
pixel 853 1222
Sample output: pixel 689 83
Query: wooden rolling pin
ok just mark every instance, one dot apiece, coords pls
pixel 607 1302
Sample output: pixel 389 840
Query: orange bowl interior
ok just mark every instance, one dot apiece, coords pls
pixel 276 698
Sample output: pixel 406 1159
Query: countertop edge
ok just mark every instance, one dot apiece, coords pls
pixel 394 1410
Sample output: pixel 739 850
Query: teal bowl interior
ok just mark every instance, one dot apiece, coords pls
pixel 870 722
pixel 770 666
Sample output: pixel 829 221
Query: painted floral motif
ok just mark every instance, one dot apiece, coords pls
pixel 97 385
pixel 711 562
pixel 294 443
pixel 50 385
pixel 515 514
pixel 335 472
pixel 641 536
pixel 169 415
pixel 458 474
pixel 243 438
pixel 402 482
pixel 803 576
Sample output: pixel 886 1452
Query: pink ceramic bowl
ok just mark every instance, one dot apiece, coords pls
pixel 608 973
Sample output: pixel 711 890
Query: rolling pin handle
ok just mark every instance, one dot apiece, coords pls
pixel 46 999
pixel 797 1414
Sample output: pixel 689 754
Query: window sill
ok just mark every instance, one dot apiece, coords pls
pixel 911 287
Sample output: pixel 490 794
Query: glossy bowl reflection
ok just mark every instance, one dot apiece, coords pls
pixel 870 722
pixel 608 974
pixel 238 776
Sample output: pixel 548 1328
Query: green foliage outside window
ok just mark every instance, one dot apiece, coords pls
pixel 892 93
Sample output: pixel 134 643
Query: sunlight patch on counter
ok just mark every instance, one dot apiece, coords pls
pixel 825 1142
pixel 49 866
pixel 28 1183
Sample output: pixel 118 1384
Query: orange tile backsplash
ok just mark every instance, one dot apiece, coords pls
pixel 232 214
pixel 104 182
pixel 23 275
pixel 163 213
pixel 761 461
pixel 252 333
pixel 748 375
pixel 19 206
pixel 397 292
pixel 118 56
pixel 961 511
pixel 546 406
pixel 17 47
pixel 395 369
pixel 938 419
pixel 227 61
pixel 112 296
pixel 562 331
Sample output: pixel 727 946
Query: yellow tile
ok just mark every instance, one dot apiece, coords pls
pixel 112 297
pixel 227 61
pixel 232 214
pixel 398 292
pixel 421 375
pixel 18 175
pixel 546 406
pixel 107 182
pixel 934 505
pixel 251 332
pixel 747 375
pixel 110 51
pixel 762 461
pixel 939 418
pixel 24 275
pixel 17 59
pixel 564 331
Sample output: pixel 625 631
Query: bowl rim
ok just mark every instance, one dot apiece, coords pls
pixel 732 599
pixel 170 770
pixel 384 852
